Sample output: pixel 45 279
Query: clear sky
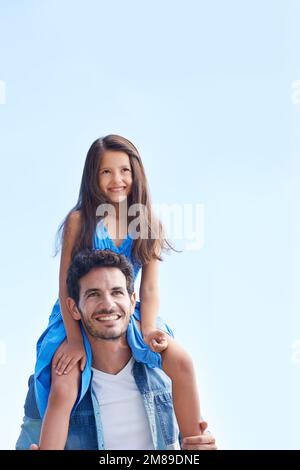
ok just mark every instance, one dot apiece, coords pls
pixel 205 92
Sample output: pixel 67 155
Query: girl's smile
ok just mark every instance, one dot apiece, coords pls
pixel 117 189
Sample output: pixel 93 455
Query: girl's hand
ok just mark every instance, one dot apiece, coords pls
pixel 157 340
pixel 67 356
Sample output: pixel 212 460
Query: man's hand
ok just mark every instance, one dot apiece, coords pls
pixel 157 340
pixel 204 441
pixel 34 447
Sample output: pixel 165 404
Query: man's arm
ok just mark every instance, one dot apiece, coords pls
pixel 30 432
pixel 31 426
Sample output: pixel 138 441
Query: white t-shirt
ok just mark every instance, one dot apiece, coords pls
pixel 123 414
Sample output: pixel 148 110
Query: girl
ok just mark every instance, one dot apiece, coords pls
pixel 113 176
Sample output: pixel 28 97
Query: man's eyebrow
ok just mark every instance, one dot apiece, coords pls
pixel 93 289
pixel 96 289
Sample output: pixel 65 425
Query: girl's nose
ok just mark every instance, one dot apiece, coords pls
pixel 117 177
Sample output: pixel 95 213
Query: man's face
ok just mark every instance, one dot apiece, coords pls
pixel 104 303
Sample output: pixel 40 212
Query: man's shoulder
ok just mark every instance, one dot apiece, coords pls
pixel 30 406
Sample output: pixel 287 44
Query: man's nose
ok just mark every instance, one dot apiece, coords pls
pixel 107 302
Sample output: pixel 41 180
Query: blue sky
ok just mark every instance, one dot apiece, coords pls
pixel 204 90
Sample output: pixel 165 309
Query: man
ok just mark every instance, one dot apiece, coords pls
pixel 128 404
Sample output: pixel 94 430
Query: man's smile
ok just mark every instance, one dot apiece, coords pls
pixel 110 317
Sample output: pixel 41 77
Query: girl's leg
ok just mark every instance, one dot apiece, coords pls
pixel 178 365
pixel 63 394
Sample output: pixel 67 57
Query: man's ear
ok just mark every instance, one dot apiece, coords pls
pixel 132 302
pixel 73 308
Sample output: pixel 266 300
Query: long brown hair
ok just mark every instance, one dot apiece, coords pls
pixel 90 197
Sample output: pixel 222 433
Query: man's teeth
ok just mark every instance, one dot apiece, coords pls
pixel 110 317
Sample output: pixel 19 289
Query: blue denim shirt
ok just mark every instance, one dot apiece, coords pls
pixel 85 430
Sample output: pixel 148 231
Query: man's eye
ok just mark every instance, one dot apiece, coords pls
pixel 92 294
pixel 118 292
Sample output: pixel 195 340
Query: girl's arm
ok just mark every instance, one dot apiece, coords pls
pixel 71 232
pixel 72 351
pixel 149 296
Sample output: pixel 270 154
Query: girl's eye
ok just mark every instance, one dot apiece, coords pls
pixel 105 172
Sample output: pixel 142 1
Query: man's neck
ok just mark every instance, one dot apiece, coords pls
pixel 110 356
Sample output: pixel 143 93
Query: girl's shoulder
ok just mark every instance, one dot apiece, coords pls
pixel 74 219
pixel 73 223
pixel 75 216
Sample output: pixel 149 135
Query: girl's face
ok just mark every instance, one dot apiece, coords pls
pixel 115 175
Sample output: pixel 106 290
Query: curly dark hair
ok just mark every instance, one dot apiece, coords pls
pixel 88 259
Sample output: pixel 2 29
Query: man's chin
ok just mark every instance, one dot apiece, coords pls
pixel 110 331
pixel 111 334
pixel 108 337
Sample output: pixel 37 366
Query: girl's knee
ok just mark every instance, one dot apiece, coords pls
pixel 185 364
pixel 178 361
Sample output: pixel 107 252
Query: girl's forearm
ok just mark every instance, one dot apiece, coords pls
pixel 149 307
pixel 72 326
